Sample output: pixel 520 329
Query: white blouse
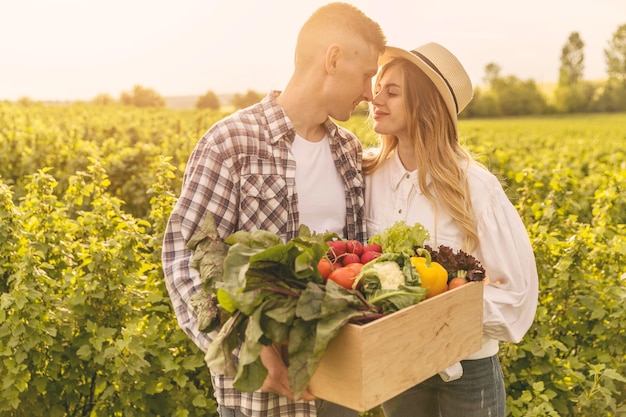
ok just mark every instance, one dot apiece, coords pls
pixel 510 298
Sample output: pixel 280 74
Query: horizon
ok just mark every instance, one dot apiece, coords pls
pixel 69 50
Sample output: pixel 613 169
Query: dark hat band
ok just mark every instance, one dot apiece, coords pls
pixel 434 68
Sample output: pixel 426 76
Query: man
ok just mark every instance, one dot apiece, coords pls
pixel 274 166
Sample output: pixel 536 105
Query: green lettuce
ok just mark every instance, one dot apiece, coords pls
pixel 401 238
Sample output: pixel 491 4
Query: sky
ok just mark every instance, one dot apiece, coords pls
pixel 77 49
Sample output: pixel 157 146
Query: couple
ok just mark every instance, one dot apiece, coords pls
pixel 283 162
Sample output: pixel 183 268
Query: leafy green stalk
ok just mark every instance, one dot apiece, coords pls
pixel 273 293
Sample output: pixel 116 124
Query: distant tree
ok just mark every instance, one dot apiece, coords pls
pixel 142 97
pixel 572 60
pixel 103 100
pixel 484 104
pixel 26 101
pixel 242 101
pixel 616 55
pixel 613 98
pixel 573 94
pixel 507 96
pixel 575 98
pixel 516 97
pixel 208 101
pixel 492 73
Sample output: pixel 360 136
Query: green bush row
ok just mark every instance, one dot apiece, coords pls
pixel 86 327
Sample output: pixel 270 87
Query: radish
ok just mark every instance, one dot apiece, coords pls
pixel 374 247
pixel 369 255
pixel 350 258
pixel 354 246
pixel 336 248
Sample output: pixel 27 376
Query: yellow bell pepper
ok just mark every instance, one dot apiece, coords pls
pixel 434 277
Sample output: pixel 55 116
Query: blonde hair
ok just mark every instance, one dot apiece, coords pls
pixel 437 150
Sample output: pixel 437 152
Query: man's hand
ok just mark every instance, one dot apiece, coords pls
pixel 277 380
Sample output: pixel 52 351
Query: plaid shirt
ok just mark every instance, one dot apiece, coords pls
pixel 243 172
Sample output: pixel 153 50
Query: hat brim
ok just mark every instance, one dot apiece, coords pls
pixel 441 85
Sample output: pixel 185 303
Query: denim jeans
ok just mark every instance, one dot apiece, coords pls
pixel 324 409
pixel 327 409
pixel 478 393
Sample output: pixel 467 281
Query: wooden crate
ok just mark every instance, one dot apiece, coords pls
pixel 365 365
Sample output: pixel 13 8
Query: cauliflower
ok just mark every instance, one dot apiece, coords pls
pixel 389 274
pixel 390 282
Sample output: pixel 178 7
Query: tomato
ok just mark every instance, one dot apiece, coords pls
pixel 456 282
pixel 325 267
pixel 355 266
pixel 343 276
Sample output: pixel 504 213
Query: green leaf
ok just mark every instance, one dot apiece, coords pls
pixel 225 301
pixel 251 376
pixel 251 372
pixel 84 352
pixel 309 305
pixel 614 375
pixel 219 355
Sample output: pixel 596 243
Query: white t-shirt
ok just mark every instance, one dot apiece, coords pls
pixel 510 299
pixel 321 190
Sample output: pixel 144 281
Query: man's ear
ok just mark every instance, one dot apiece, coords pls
pixel 333 54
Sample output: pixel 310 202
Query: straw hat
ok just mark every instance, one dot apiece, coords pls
pixel 445 71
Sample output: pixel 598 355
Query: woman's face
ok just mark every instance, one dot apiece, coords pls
pixel 389 109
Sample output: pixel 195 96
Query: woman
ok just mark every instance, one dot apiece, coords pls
pixel 421 173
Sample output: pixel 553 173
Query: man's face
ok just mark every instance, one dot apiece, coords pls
pixel 352 82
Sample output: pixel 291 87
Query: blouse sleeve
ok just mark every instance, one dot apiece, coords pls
pixel 510 297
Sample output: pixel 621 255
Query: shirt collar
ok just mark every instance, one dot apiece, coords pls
pixel 280 126
pixel 278 123
pixel 334 132
pixel 399 173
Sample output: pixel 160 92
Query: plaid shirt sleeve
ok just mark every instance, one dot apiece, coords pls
pixel 207 186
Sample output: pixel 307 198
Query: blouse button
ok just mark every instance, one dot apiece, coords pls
pixel 400 211
pixel 407 176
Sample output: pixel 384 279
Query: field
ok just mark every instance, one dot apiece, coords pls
pixel 86 328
